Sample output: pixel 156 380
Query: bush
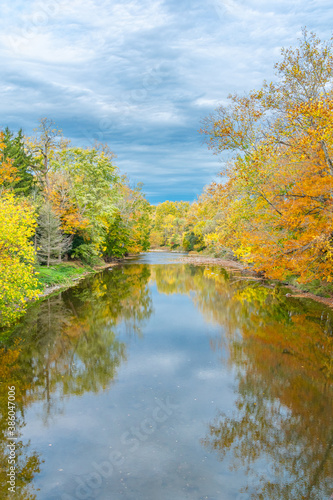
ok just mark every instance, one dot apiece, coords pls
pixel 193 242
pixel 87 253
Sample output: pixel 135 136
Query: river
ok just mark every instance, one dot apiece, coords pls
pixel 156 380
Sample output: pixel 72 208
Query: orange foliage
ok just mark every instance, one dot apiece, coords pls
pixel 276 208
pixel 65 207
pixel 8 173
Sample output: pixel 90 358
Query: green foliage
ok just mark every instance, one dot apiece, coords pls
pixel 169 223
pixel 88 254
pixel 21 161
pixel 51 242
pixel 91 177
pixel 132 223
pixel 79 197
pixel 192 241
pixel 117 239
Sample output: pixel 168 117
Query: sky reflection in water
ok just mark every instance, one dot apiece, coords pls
pixel 160 380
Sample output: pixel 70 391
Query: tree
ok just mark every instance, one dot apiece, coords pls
pixel 8 171
pixel 24 182
pixel 42 149
pixel 52 243
pixel 18 282
pixel 169 223
pixel 277 204
pixel 130 228
pixel 90 179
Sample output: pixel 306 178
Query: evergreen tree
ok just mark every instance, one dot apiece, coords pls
pixel 51 242
pixel 21 161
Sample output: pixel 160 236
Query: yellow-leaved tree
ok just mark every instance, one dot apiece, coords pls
pixel 276 209
pixel 18 283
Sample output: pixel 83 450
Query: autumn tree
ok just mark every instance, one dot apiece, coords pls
pixel 277 203
pixel 89 176
pixel 169 223
pixel 8 171
pixel 18 282
pixel 42 148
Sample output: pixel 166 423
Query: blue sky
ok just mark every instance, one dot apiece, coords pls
pixel 140 75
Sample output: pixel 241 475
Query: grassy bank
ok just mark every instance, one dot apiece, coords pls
pixel 61 274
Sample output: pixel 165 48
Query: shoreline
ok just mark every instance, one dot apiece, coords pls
pixel 252 275
pixel 49 290
pixel 198 260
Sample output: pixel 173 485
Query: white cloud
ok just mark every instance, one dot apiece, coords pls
pixel 143 73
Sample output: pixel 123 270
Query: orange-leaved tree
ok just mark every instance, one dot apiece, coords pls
pixel 277 205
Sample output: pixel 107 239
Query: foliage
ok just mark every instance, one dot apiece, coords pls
pixel 117 239
pixel 23 183
pixel 89 179
pixel 51 242
pixel 8 171
pixel 169 224
pixel 130 228
pixel 87 253
pixel 18 282
pixel 192 242
pixel 78 197
pixel 275 210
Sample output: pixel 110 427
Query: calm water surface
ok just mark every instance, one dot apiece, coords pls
pixel 157 380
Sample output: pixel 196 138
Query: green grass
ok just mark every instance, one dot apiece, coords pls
pixel 60 274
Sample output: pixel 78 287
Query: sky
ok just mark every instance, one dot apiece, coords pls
pixel 141 75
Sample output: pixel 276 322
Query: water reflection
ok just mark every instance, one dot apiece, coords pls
pixel 300 329
pixel 66 346
pixel 279 357
pixel 280 431
pixel 28 461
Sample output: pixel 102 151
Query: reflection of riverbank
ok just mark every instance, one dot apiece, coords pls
pixel 231 265
pixel 249 368
pixel 250 307
pixel 49 290
pixel 202 260
pixel 67 345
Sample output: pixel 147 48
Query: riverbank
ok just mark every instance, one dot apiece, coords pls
pixel 65 275
pixel 231 265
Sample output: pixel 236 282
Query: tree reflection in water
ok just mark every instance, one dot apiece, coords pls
pixel 282 351
pixel 280 430
pixel 67 345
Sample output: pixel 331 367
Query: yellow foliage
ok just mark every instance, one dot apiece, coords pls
pixel 17 256
pixel 276 208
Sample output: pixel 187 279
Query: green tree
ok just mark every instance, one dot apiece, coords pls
pixel 51 242
pixel 169 223
pixel 91 178
pixel 21 161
